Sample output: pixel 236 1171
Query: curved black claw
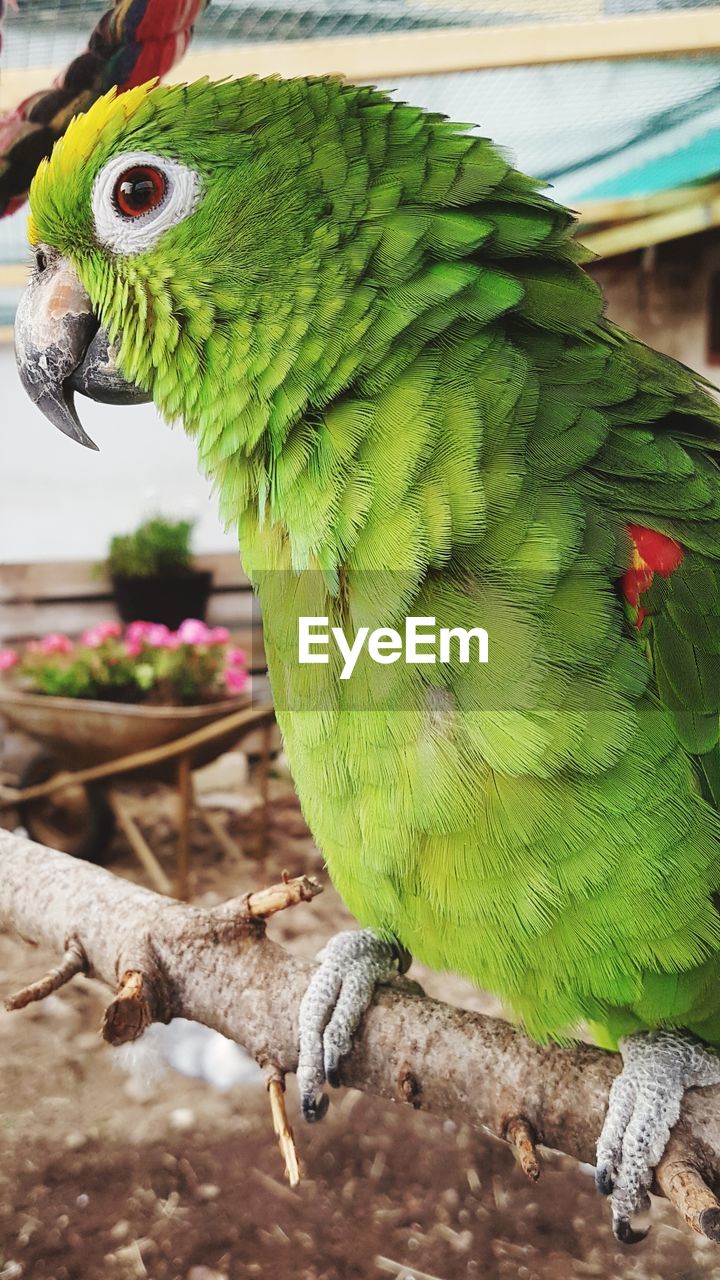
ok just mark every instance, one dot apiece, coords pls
pixel 332 1075
pixel 314 1109
pixel 626 1233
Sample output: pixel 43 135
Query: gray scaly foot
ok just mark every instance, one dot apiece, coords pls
pixel 644 1104
pixel 339 992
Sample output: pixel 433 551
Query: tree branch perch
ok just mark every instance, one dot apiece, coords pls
pixel 216 966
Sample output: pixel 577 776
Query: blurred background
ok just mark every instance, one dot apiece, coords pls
pixel 164 1164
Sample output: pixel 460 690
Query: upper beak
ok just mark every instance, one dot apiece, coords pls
pixel 61 348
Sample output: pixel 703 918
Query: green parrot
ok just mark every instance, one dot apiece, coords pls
pixel 403 386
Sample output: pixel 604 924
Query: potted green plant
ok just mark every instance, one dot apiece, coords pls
pixel 153 576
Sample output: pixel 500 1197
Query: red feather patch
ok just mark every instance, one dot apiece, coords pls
pixel 652 553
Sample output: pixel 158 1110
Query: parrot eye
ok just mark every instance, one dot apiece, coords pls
pixel 138 196
pixel 139 190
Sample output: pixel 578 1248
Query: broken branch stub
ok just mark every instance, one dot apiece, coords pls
pixel 74 961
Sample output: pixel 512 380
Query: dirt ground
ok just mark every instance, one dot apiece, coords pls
pixel 104 1176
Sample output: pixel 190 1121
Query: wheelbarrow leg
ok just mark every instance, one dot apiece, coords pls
pixel 231 848
pixel 264 789
pixel 184 782
pixel 137 842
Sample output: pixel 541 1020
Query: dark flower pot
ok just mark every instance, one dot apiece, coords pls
pixel 163 599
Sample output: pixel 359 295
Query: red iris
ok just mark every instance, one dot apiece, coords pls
pixel 139 190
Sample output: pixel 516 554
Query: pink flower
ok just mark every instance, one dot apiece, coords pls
pixel 236 657
pixel 158 636
pixel 55 642
pixel 133 648
pixel 8 658
pixel 95 636
pixel 137 632
pixel 193 631
pixel 217 635
pixel 235 681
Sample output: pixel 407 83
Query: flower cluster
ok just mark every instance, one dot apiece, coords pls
pixel 147 662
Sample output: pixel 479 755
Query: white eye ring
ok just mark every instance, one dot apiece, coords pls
pixel 130 235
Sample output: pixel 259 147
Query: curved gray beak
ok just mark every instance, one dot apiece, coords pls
pixel 61 348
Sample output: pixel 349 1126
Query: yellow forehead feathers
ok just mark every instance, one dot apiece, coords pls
pixel 110 113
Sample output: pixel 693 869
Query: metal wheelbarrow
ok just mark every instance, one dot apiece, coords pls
pixel 66 795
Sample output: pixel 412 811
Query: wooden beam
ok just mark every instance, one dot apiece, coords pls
pixel 688 221
pixel 13 275
pixel 412 53
pixel 596 212
pixel 435 52
pixel 31 582
pixel 18 83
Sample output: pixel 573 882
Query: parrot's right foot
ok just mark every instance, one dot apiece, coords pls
pixel 644 1105
pixel 341 989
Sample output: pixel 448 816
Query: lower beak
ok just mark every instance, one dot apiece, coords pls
pixel 61 348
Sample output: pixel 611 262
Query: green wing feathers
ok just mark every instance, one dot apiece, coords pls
pixel 581 887
pixel 556 838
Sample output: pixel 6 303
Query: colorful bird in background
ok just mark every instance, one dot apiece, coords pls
pixel 403 386
pixel 132 42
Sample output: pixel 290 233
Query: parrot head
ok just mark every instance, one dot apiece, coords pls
pixel 178 234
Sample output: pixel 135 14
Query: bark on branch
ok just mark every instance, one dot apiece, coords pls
pixel 215 965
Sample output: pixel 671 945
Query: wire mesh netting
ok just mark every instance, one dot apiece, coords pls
pixel 49 31
pixel 581 126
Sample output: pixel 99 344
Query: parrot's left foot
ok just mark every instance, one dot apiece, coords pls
pixel 644 1105
pixel 351 965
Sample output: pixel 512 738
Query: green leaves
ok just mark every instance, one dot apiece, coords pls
pixel 158 546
